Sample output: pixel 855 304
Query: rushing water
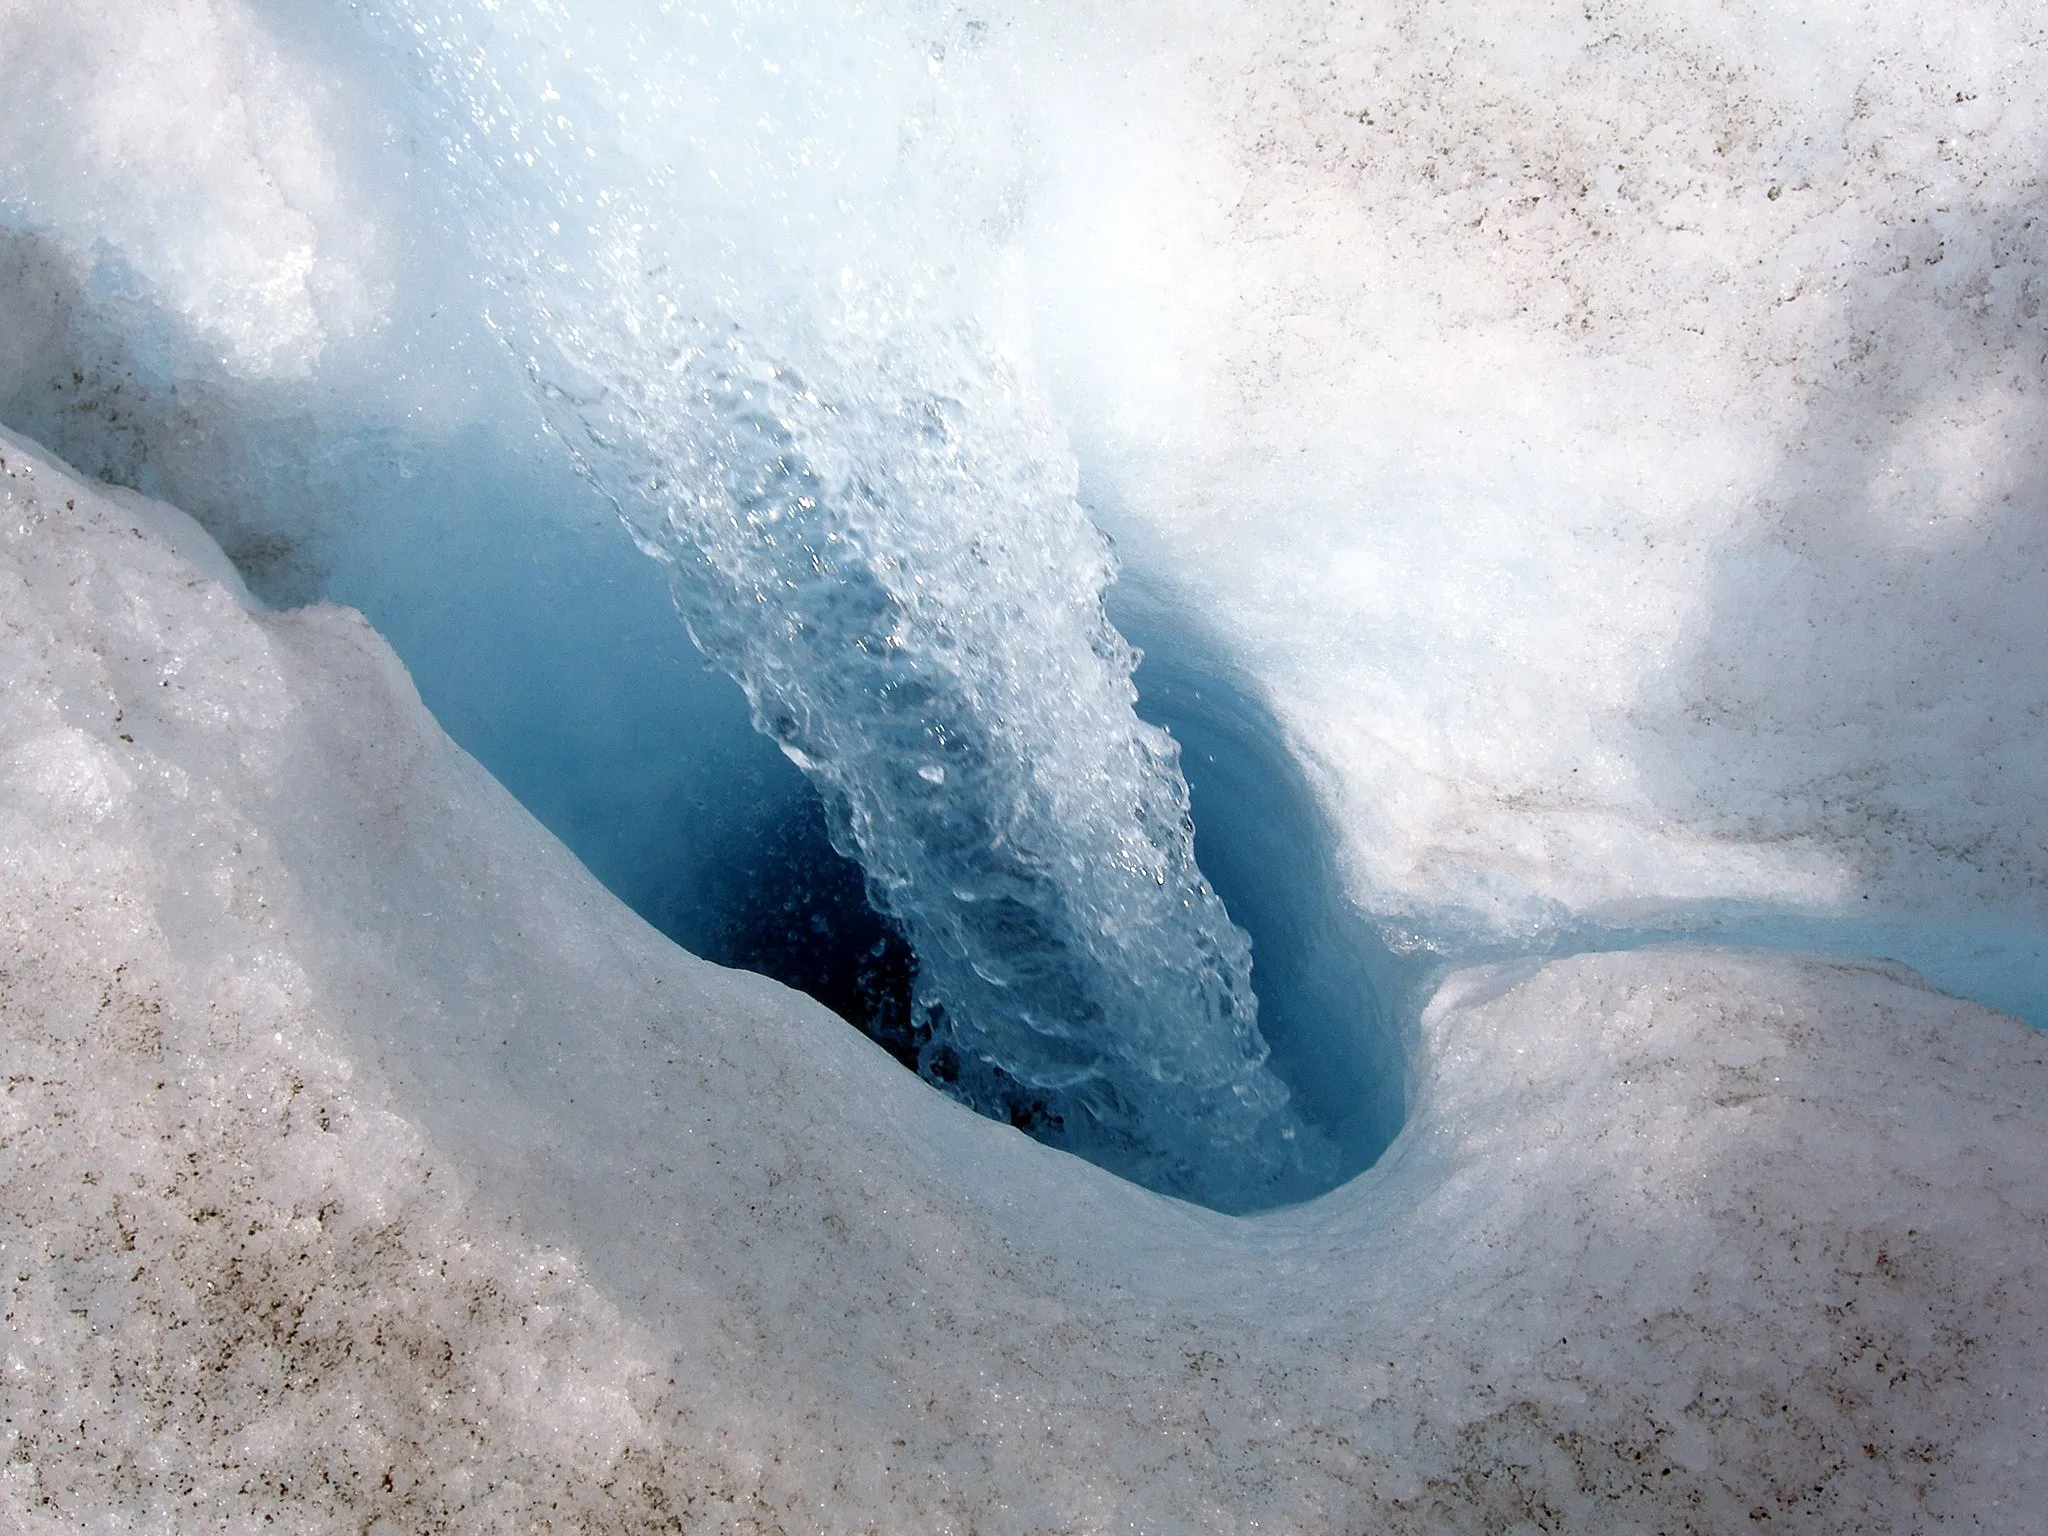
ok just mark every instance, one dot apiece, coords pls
pixel 871 522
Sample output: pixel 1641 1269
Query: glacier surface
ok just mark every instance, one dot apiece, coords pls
pixel 1576 482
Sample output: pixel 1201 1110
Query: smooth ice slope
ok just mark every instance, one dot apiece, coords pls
pixel 363 1163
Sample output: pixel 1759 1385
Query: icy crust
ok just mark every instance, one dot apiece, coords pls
pixel 1610 430
pixel 231 211
pixel 1608 436
pixel 366 1167
pixel 233 1282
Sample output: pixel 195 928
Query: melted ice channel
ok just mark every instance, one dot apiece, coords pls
pixel 870 516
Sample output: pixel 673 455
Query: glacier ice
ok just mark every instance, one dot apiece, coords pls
pixel 1590 460
pixel 870 522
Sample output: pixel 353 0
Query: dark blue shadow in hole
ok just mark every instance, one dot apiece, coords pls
pixel 781 900
pixel 1325 979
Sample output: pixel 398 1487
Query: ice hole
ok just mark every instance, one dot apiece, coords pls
pixel 877 535
pixel 751 880
pixel 549 647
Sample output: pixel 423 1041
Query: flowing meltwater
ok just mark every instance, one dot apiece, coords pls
pixel 871 523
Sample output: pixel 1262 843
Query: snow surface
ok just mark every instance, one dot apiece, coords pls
pixel 368 1166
